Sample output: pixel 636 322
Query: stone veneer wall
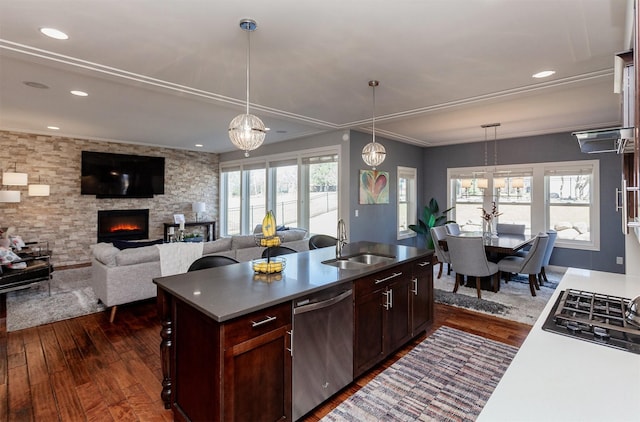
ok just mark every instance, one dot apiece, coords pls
pixel 69 220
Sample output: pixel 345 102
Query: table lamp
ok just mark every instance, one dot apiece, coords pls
pixel 198 207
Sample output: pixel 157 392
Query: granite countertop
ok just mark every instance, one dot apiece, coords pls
pixel 559 378
pixel 224 293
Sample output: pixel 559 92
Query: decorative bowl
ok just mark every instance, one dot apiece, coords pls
pixel 269 241
pixel 270 266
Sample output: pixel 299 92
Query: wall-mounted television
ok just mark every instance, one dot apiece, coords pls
pixel 108 175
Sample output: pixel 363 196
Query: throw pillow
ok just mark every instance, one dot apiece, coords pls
pixel 128 244
pixel 7 256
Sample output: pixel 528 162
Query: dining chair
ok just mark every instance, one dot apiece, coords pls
pixel 529 264
pixel 277 251
pixel 505 228
pixel 469 258
pixel 318 241
pixel 547 254
pixel 439 233
pixel 452 228
pixel 210 261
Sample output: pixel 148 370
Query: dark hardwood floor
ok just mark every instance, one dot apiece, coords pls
pixel 88 369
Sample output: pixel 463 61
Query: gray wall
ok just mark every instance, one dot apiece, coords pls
pixel 378 222
pixel 538 149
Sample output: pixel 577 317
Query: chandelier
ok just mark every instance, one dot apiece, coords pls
pixel 374 153
pixel 247 131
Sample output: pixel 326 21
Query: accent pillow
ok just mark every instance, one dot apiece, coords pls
pixel 7 256
pixel 218 245
pixel 127 244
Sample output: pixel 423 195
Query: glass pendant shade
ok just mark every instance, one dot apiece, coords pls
pixel 374 154
pixel 9 196
pixel 247 132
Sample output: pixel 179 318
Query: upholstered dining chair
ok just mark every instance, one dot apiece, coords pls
pixel 318 241
pixel 439 233
pixel 469 258
pixel 277 251
pixel 547 254
pixel 504 228
pixel 210 261
pixel 530 264
pixel 452 228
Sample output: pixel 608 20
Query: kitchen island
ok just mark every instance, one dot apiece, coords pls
pixel 560 378
pixel 227 333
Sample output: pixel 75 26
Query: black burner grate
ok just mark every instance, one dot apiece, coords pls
pixel 594 317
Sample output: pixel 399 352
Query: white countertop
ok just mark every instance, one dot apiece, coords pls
pixel 559 378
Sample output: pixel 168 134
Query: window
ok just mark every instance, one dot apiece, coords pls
pixel 407 201
pixel 301 189
pixel 561 196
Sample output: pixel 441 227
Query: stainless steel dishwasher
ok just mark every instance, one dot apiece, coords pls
pixel 322 347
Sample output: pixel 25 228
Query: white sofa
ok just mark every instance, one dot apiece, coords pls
pixel 122 276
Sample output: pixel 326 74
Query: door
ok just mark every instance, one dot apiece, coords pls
pixel 421 296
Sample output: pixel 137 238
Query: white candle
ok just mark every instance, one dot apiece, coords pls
pixel 182 225
pixel 171 230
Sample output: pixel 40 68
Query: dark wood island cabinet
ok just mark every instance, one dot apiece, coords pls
pixel 227 338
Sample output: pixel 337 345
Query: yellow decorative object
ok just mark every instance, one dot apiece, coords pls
pixel 269 225
pixel 270 242
pixel 268 266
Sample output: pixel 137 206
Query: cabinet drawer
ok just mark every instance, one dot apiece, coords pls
pixel 256 324
pixel 381 279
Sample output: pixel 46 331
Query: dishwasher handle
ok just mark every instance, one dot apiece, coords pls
pixel 324 304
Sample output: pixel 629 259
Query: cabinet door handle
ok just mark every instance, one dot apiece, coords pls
pixel 390 298
pixel 394 275
pixel 290 349
pixel 415 286
pixel 386 304
pixel 424 264
pixel 264 321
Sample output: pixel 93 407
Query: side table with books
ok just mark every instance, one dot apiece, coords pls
pixel 37 257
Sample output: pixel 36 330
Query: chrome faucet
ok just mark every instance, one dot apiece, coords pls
pixel 342 238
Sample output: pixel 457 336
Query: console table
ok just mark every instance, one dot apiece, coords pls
pixel 39 268
pixel 209 225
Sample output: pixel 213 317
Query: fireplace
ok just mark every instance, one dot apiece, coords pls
pixel 123 225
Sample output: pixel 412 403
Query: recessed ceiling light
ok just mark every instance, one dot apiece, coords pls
pixel 543 74
pixel 54 33
pixel 199 145
pixel 53 127
pixel 79 93
pixel 35 85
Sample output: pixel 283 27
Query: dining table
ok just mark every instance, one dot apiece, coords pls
pixel 501 245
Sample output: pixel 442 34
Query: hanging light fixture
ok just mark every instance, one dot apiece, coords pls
pixel 39 189
pixel 9 196
pixel 14 178
pixel 247 131
pixel 374 153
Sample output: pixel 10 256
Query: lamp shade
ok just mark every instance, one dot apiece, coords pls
pixel 14 179
pixel 518 182
pixel 466 183
pixel 38 190
pixel 482 183
pixel 499 183
pixel 9 196
pixel 198 207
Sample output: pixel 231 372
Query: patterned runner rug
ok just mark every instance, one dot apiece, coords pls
pixel 447 377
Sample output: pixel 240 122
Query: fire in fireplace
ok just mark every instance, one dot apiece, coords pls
pixel 123 225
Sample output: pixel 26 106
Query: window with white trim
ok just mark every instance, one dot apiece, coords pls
pixel 563 196
pixel 407 201
pixel 301 188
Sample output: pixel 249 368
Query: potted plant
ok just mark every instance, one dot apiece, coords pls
pixel 431 217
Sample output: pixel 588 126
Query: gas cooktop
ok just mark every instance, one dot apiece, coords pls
pixel 593 317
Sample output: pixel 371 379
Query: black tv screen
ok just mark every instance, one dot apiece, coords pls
pixel 108 175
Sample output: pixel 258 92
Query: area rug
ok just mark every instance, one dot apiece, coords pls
pixel 448 377
pixel 513 301
pixel 71 296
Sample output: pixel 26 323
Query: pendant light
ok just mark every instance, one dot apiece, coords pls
pixel 246 131
pixel 13 178
pixel 374 153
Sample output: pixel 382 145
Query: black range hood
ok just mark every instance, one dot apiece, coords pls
pixel 618 140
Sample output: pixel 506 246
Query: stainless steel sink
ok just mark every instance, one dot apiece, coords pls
pixel 359 261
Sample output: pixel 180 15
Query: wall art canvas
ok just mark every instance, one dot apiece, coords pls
pixel 374 187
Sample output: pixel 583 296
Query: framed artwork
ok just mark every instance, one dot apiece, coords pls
pixel 178 218
pixel 374 187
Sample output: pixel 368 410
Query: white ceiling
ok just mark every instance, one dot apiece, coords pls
pixel 172 73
